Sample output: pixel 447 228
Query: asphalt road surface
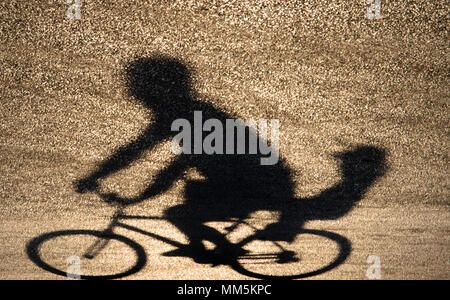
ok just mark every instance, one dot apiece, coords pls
pixel 334 78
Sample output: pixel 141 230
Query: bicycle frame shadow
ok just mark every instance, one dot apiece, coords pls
pixel 104 237
pixel 234 185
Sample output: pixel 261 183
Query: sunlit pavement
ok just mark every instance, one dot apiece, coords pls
pixel 332 76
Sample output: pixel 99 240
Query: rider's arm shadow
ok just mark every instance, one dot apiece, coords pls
pixel 162 182
pixel 126 155
pixel 123 157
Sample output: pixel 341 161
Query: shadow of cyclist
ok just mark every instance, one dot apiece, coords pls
pixel 234 186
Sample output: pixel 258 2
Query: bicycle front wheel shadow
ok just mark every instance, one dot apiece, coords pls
pixel 63 253
pixel 312 253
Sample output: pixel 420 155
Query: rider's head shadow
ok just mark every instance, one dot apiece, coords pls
pixel 159 82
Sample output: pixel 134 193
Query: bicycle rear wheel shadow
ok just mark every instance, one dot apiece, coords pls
pixel 290 264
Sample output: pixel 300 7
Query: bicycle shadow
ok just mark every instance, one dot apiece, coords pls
pixel 233 185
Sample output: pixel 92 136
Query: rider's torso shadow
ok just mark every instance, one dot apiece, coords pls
pixel 233 185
